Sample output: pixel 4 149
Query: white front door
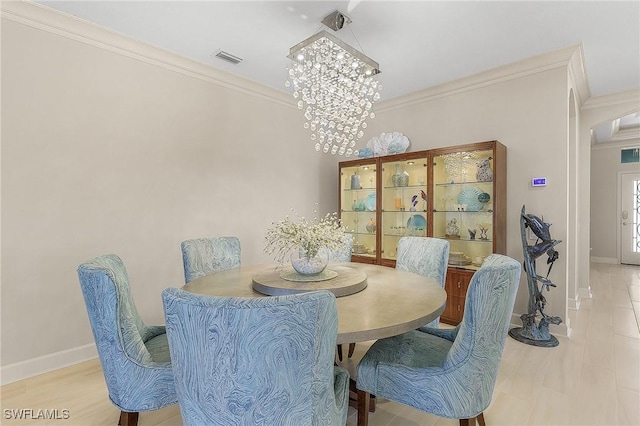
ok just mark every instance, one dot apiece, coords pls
pixel 630 218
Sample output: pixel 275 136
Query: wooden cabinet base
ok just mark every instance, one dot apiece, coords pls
pixel 456 285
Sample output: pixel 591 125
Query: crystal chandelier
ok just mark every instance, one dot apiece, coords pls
pixel 334 84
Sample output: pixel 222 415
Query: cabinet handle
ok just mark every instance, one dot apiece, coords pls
pixel 459 284
pixel 459 308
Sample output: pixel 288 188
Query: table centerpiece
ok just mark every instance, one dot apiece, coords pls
pixel 307 243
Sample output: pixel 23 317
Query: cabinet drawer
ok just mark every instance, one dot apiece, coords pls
pixel 457 307
pixel 457 283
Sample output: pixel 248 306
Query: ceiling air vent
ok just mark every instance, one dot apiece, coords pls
pixel 228 57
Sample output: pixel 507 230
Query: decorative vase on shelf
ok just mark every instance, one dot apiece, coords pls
pixel 395 178
pixel 404 178
pixel 371 226
pixel 355 180
pixel 484 173
pixel 355 206
pixel 309 265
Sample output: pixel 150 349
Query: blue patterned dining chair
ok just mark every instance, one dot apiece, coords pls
pixel 447 372
pixel 203 256
pixel 342 255
pixel 134 357
pixel 250 361
pixel 424 256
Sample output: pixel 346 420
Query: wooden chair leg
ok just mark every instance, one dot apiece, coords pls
pixel 352 347
pixel 481 419
pixel 472 422
pixel 363 408
pixel 340 352
pixel 128 419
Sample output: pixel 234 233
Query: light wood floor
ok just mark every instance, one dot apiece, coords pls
pixel 591 379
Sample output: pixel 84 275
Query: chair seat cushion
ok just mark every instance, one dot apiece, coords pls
pixel 412 350
pixel 158 348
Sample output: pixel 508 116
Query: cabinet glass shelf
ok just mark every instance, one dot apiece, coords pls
pixel 406 187
pixel 475 182
pixel 466 240
pixel 463 211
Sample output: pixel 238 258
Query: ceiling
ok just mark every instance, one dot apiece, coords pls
pixel 418 44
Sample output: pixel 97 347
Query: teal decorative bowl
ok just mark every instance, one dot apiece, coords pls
pixel 484 197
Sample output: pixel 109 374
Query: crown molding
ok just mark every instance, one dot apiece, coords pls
pixel 578 74
pixel 631 97
pixel 562 58
pixel 44 18
pixel 55 22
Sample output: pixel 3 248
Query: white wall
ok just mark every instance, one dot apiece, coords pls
pixel 130 152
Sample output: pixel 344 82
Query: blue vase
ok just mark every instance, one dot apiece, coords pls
pixel 355 180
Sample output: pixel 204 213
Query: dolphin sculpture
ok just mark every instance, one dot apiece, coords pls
pixel 538 226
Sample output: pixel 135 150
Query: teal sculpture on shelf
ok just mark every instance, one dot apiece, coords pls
pixel 532 332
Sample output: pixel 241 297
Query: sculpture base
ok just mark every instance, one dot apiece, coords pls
pixel 516 333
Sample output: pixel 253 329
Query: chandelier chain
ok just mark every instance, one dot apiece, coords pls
pixel 357 41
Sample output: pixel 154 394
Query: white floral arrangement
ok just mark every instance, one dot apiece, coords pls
pixel 308 236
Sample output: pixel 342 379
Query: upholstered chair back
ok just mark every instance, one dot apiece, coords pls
pixel 448 372
pixel 425 256
pixel 479 339
pixel 248 361
pixel 343 254
pixel 134 357
pixel 205 256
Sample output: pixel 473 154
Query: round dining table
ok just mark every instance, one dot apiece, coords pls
pixel 393 301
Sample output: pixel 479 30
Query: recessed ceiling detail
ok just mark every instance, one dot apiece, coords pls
pixel 620 129
pixel 627 127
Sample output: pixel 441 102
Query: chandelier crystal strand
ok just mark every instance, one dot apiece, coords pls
pixel 336 89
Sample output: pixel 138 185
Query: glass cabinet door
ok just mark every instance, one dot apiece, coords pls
pixel 463 205
pixel 404 202
pixel 358 208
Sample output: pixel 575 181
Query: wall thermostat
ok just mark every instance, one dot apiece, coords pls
pixel 539 181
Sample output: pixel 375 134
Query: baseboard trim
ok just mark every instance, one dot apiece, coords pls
pixel 611 260
pixel 44 364
pixel 585 293
pixel 574 304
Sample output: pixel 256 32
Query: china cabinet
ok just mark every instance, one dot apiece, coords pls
pixel 457 193
pixel 469 210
